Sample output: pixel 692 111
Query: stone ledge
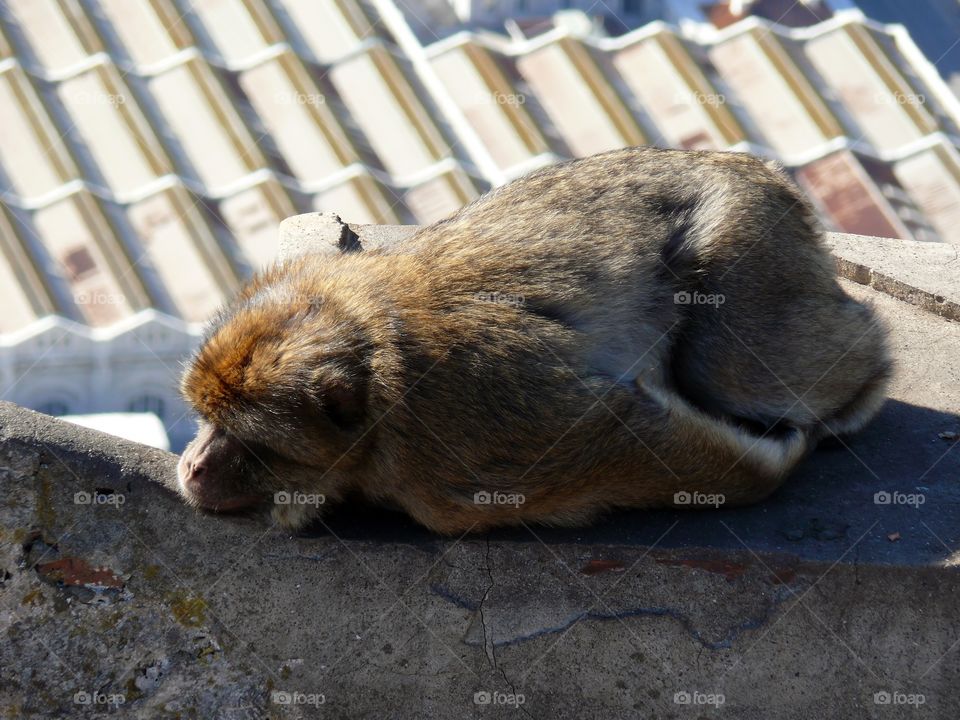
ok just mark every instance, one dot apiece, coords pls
pixel 901 451
pixel 920 273
pixel 818 597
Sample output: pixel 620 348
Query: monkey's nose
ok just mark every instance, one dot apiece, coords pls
pixel 191 472
pixel 196 470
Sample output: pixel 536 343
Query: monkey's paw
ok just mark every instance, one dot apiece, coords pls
pixel 293 515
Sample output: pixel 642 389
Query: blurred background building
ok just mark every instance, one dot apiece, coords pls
pixel 150 148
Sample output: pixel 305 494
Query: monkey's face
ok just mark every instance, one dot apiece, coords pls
pixel 281 390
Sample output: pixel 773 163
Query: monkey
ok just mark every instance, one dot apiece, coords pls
pixel 627 330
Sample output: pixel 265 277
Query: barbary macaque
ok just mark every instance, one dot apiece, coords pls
pixel 629 330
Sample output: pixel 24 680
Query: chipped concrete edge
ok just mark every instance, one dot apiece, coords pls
pixel 83 451
pixel 928 300
pixel 920 273
pixel 917 273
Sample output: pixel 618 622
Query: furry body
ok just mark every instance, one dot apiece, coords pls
pixel 603 333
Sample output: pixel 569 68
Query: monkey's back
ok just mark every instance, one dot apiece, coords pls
pixel 701 271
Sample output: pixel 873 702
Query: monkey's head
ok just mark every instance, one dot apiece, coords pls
pixel 281 385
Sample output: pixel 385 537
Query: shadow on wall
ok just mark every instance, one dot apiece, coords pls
pixel 892 490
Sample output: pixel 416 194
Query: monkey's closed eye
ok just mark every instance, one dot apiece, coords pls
pixel 344 406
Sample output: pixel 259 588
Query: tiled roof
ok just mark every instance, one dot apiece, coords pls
pixel 149 148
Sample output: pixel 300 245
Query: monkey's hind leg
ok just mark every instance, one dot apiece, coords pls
pixel 867 365
pixel 705 454
pixel 859 411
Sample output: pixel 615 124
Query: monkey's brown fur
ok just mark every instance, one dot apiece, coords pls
pixel 535 344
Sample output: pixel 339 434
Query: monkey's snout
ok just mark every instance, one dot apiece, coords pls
pixel 198 482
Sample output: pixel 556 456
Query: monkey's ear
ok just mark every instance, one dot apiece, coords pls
pixel 344 402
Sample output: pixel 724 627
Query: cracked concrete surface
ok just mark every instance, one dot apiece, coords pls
pixel 115 598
